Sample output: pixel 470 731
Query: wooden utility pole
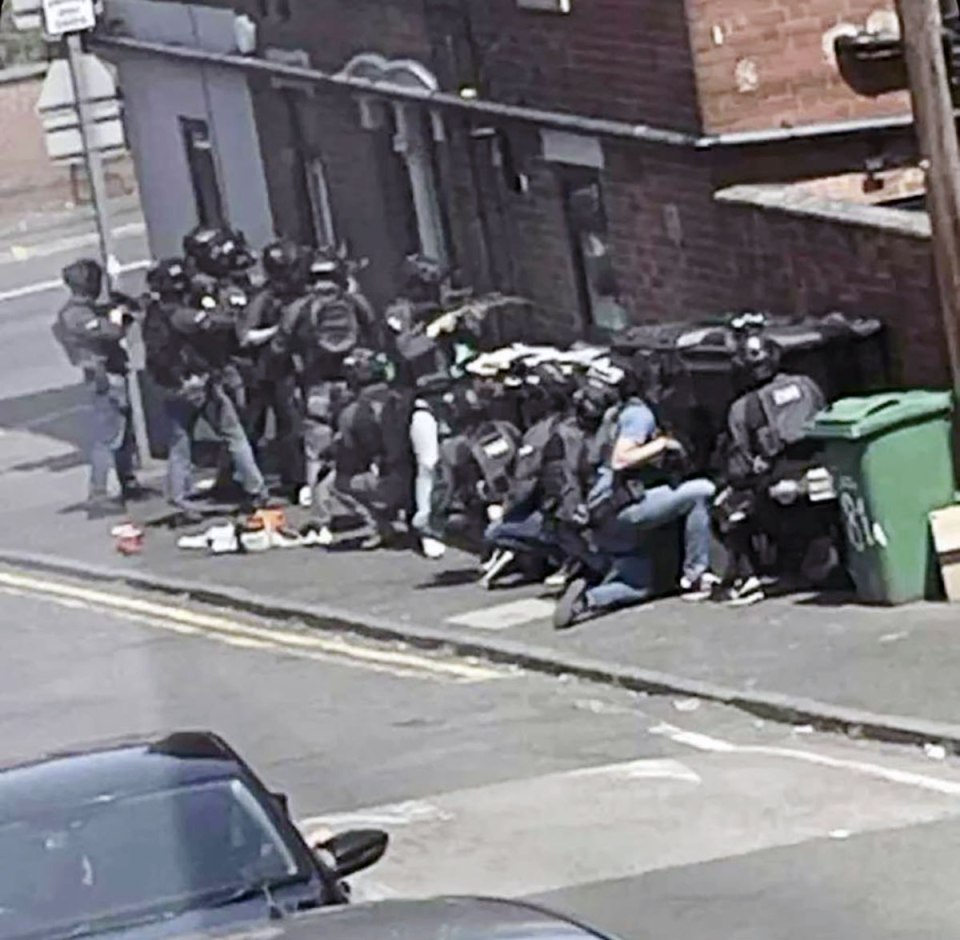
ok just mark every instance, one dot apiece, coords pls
pixel 921 26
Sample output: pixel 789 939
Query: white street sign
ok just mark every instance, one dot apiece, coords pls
pixel 27 14
pixel 68 16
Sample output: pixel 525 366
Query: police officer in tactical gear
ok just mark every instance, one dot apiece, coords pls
pixel 318 331
pixel 765 446
pixel 187 351
pixel 92 337
pixel 373 467
pixel 270 376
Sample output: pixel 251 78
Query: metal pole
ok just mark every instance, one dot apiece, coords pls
pixel 98 194
pixel 91 156
pixel 922 30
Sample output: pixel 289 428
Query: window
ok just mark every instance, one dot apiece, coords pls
pixel 203 171
pixel 587 223
pixel 320 203
pixel 413 141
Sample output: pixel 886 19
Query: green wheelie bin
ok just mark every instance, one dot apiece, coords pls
pixel 892 462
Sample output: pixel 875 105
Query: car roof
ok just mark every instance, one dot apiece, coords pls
pixel 448 918
pixel 121 768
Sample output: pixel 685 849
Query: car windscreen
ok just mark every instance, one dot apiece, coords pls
pixel 120 857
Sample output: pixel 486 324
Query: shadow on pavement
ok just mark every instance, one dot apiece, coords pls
pixel 54 413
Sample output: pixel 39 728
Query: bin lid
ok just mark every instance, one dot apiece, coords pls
pixel 855 418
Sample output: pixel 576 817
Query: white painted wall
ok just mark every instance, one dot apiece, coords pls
pixel 158 92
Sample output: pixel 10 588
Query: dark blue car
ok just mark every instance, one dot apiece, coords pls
pixel 157 837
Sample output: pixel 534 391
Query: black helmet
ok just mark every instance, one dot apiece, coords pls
pixel 217 251
pixel 422 278
pixel 84 277
pixel 599 391
pixel 757 358
pixel 326 267
pixel 285 264
pixel 169 276
pixel 197 242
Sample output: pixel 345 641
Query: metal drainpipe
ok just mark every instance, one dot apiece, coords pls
pixel 556 120
pixel 476 177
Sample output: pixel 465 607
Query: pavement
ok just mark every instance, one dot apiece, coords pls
pixel 648 816
pixel 886 673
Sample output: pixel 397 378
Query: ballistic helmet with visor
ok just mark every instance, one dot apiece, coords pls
pixel 84 278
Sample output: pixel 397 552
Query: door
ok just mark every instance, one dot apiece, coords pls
pixel 203 172
pixel 590 243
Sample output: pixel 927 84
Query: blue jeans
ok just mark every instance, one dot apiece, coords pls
pixel 219 412
pixel 629 540
pixel 629 581
pixel 521 530
pixel 110 434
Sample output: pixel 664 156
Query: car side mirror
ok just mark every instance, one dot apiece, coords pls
pixel 282 802
pixel 355 850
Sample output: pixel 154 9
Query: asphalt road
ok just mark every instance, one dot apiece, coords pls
pixel 650 817
pixel 30 295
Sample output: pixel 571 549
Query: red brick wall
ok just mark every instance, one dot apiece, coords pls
pixel 621 59
pixel 609 58
pixel 662 219
pixel 28 180
pixel 806 265
pixel 762 63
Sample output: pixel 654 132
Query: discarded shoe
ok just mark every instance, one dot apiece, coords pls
pixel 432 548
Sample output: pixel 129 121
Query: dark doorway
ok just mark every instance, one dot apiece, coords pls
pixel 589 239
pixel 203 171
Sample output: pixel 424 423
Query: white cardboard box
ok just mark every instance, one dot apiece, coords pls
pixel 946 537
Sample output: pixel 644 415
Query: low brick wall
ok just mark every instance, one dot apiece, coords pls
pixel 29 181
pixel 795 252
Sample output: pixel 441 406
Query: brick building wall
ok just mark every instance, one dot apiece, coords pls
pixel 608 58
pixel 798 254
pixel 28 180
pixel 769 63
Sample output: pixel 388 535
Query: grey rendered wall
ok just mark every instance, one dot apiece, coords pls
pixel 157 93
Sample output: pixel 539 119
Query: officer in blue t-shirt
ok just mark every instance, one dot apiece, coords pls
pixel 638 486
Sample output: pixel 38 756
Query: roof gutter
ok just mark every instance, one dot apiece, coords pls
pixel 553 120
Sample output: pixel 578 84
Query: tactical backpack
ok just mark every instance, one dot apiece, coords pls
pixel 562 474
pixel 529 461
pixel 764 423
pixel 493 447
pixel 423 362
pixel 333 324
pixel 161 346
pixel 77 352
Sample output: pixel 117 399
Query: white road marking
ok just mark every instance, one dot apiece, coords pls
pixel 42 287
pixel 392 816
pixel 702 742
pixel 334 649
pixel 591 824
pixel 504 616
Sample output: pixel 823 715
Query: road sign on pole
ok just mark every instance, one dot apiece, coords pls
pixel 61 17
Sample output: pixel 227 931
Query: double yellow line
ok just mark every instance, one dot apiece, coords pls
pixel 182 620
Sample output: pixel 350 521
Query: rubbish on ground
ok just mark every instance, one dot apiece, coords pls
pixel 935 751
pixel 687 704
pixel 250 537
pixel 840 834
pixel 803 729
pixel 128 539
